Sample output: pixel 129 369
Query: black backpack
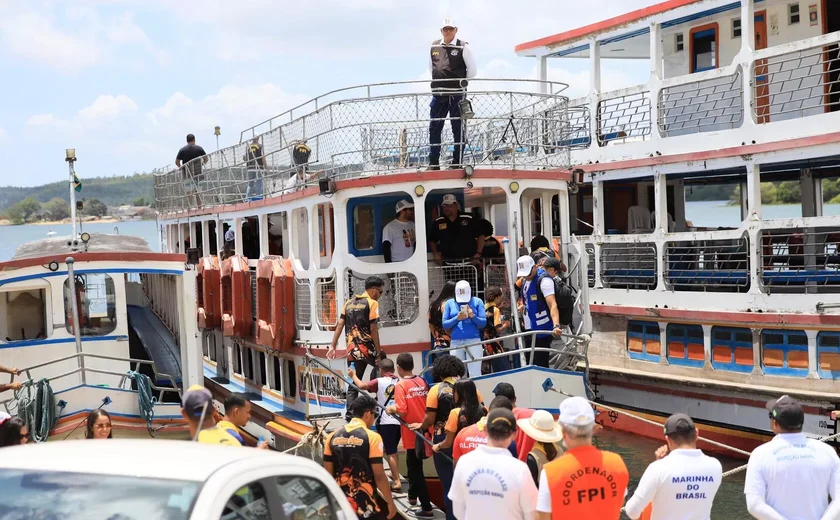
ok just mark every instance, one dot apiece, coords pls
pixel 565 296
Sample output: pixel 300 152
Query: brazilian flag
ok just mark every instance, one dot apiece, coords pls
pixel 77 184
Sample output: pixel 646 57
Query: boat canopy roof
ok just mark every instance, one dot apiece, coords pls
pixel 98 243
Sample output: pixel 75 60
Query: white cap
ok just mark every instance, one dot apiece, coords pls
pixel 449 199
pixel 448 22
pixel 463 293
pixel 524 265
pixel 404 204
pixel 576 411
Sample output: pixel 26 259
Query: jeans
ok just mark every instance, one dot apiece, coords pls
pixel 416 481
pixel 440 107
pixel 255 188
pixel 541 359
pixel 352 393
pixel 474 368
pixel 445 469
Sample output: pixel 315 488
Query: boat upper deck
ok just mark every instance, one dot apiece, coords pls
pixel 374 130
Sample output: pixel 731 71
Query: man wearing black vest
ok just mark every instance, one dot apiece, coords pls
pixel 451 62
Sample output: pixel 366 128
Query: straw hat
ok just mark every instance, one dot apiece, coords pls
pixel 541 427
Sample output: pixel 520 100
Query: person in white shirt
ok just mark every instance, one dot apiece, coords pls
pixel 398 237
pixel 682 484
pixel 491 483
pixel 791 477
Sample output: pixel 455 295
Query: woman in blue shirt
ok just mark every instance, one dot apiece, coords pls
pixel 464 315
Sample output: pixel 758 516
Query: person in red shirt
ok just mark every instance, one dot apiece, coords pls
pixel 524 444
pixel 474 436
pixel 410 405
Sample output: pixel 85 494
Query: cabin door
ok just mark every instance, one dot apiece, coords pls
pixel 762 90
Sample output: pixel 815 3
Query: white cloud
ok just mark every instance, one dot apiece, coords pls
pixel 35 38
pixel 107 107
pixel 123 31
pixel 41 120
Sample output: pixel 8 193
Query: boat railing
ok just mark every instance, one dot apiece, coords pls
pixel 377 131
pixel 708 265
pixel 303 304
pixel 799 260
pixel 325 305
pixel 160 291
pixel 83 369
pixel 629 265
pixel 400 300
pixel 624 116
pixel 702 105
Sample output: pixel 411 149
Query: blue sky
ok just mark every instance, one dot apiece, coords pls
pixel 123 81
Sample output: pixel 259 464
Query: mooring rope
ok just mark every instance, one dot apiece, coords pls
pixel 146 400
pixel 38 410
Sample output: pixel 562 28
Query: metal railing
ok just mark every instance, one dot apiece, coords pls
pixel 800 260
pixel 579 127
pixel 326 306
pixel 496 275
pixel 303 304
pixel 708 265
pixel 400 300
pixel 623 118
pixel 798 84
pixel 373 130
pixel 705 105
pixel 629 265
pixel 590 271
pixel 161 291
pixel 454 271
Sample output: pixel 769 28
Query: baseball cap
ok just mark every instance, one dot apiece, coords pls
pixel 449 199
pixel 404 204
pixel 448 22
pixel 524 265
pixel 463 292
pixel 679 423
pixel 195 399
pixel 501 422
pixel 787 412
pixel 576 411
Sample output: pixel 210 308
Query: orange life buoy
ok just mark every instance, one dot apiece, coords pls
pixel 207 292
pixel 275 303
pixel 236 297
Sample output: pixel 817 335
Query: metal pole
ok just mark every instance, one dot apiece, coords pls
pixel 72 199
pixel 74 306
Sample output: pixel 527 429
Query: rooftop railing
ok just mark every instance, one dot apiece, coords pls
pixel 376 130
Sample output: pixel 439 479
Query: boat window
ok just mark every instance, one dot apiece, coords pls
pixel 306 495
pixel 535 213
pixel 277 231
pixel 326 234
pixel 300 221
pixel 276 382
pixel 732 349
pixel 364 231
pixel 72 495
pixel 199 238
pixel 212 248
pixel 96 299
pixel 251 238
pixel 704 48
pixel 237 359
pixel 290 384
pixel 247 502
pixel 211 346
pixel 248 363
pixel 261 369
pixel 785 352
pixel 828 354
pixel 643 341
pixel 685 345
pixel 23 315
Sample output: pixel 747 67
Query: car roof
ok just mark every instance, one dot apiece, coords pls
pixel 145 458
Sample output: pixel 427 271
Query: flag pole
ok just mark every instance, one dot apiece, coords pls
pixel 70 157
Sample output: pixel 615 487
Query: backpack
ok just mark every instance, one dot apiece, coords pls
pixel 564 295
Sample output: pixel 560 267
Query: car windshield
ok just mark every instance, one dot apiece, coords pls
pixel 52 495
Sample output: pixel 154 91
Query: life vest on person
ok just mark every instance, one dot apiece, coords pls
pixel 538 313
pixel 275 303
pixel 564 296
pixel 236 297
pixel 207 291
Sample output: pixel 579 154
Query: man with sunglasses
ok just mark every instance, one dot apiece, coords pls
pixel 451 62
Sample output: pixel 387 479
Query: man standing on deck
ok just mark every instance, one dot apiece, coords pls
pixel 398 237
pixel 539 309
pixel 791 477
pixel 682 484
pixel 359 320
pixel 454 236
pixel 256 165
pixel 191 169
pixel 451 62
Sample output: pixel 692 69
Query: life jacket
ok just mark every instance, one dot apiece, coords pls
pixel 538 313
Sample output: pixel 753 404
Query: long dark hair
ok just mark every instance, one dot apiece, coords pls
pixel 466 398
pixel 10 432
pixel 435 311
pixel 94 416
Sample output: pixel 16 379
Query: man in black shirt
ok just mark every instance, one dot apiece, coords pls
pixel 191 170
pixel 256 162
pixel 455 235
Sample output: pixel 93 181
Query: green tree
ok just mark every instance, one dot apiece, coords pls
pixel 831 189
pixel 140 202
pixel 95 208
pixel 788 192
pixel 768 193
pixel 57 209
pixel 15 214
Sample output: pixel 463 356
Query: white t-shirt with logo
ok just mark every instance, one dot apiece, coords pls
pixel 491 483
pixel 681 486
pixel 385 396
pixel 794 475
pixel 402 237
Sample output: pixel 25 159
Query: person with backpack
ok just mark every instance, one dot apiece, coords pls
pixel 541 251
pixel 495 327
pixel 564 293
pixel 539 309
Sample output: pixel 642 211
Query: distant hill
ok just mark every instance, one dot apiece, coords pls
pixel 113 191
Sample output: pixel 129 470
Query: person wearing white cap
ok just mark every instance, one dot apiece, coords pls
pixel 451 62
pixel 546 434
pixel 455 235
pixel 540 307
pixel 584 482
pixel 464 315
pixel 398 236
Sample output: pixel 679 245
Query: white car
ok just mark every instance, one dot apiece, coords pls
pixel 163 480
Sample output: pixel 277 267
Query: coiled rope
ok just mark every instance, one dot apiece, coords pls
pixel 314 440
pixel 36 405
pixel 146 400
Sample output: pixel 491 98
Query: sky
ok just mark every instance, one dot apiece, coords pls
pixel 123 81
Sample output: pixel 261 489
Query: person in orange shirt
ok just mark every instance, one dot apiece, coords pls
pixel 410 405
pixel 471 437
pixel 584 482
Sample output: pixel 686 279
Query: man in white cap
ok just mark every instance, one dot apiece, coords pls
pixel 455 235
pixel 539 308
pixel 464 315
pixel 398 237
pixel 584 482
pixel 451 62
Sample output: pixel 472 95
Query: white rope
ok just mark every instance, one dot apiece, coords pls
pixel 314 440
pixel 742 468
